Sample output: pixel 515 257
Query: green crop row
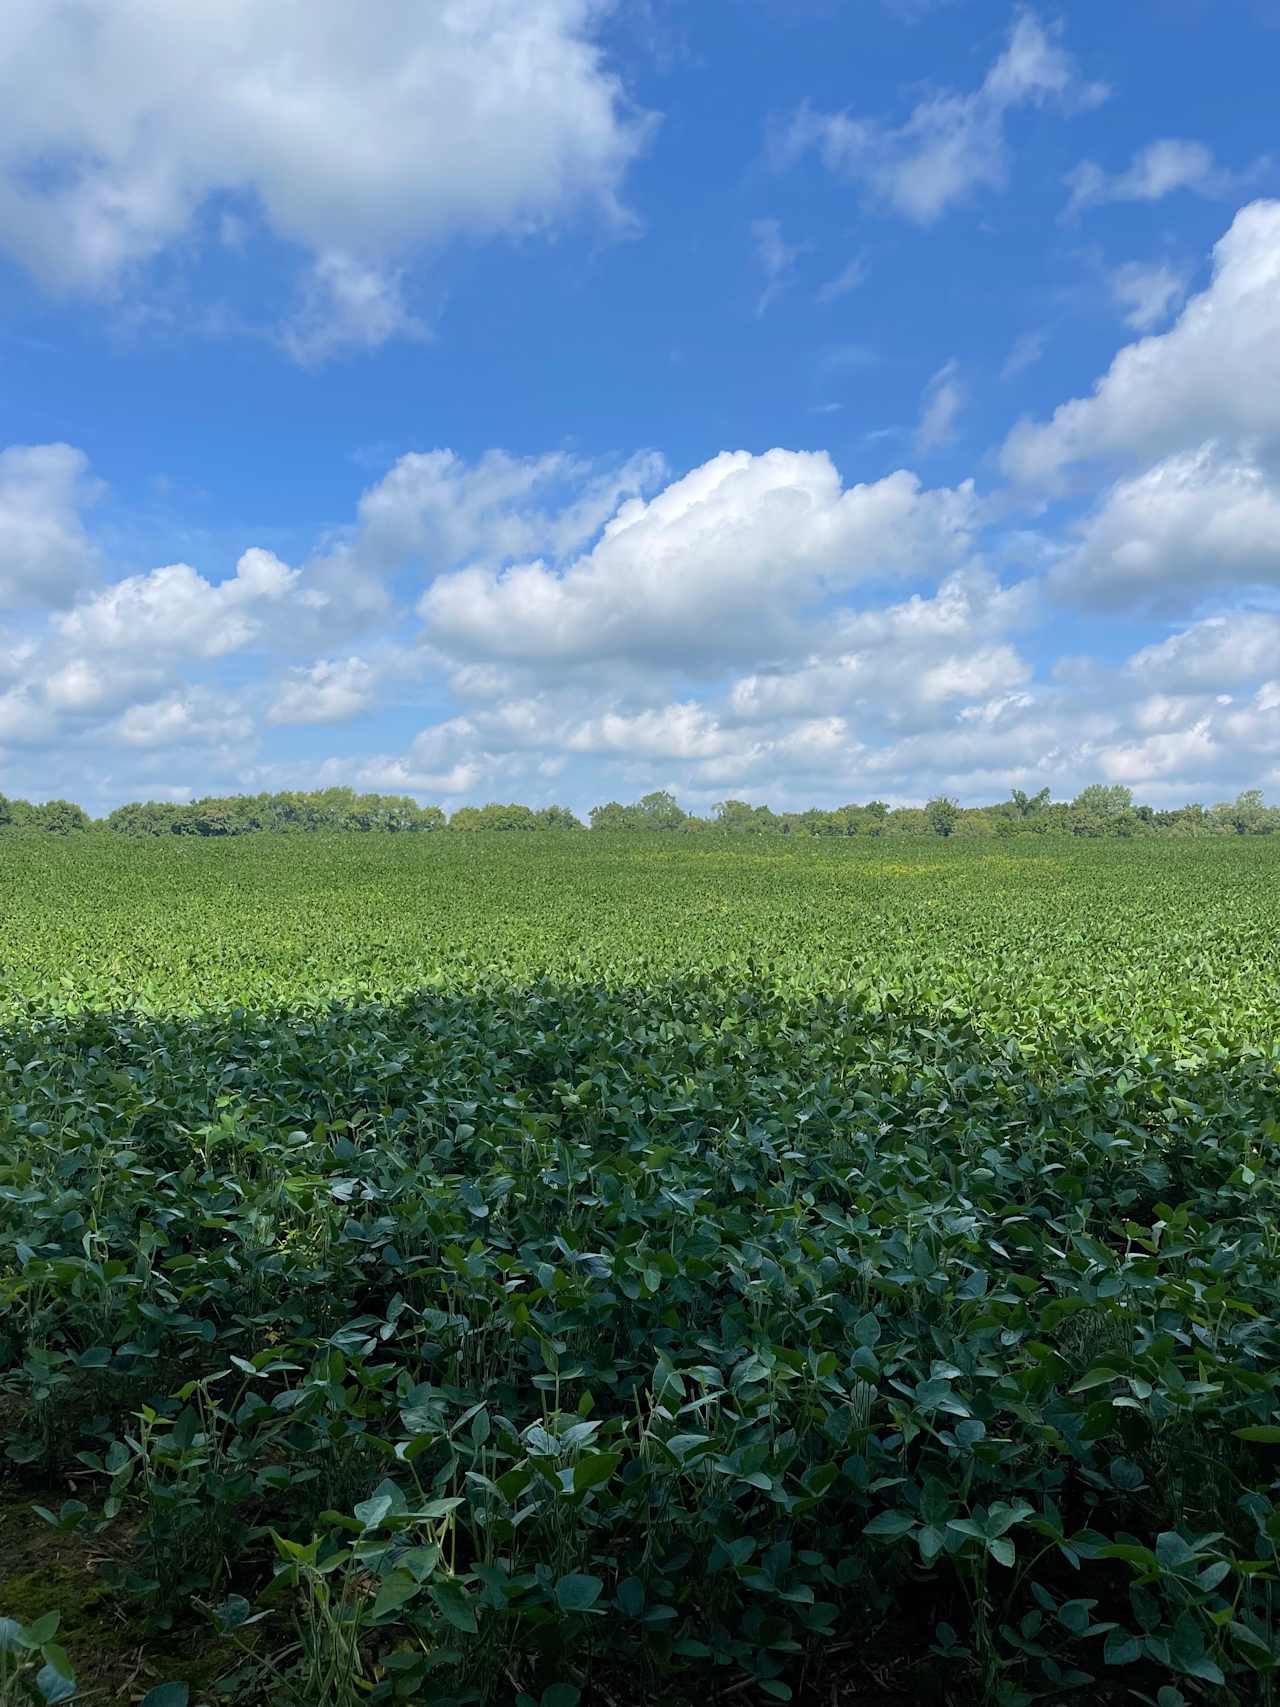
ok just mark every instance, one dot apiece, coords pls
pixel 631 1269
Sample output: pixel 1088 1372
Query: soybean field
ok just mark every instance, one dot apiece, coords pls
pixel 613 1268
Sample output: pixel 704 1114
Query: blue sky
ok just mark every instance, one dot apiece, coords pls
pixel 547 400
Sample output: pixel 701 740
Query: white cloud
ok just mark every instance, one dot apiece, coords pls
pixel 174 612
pixel 816 748
pixel 712 750
pixel 1216 372
pixel 776 259
pixel 1256 725
pixel 682 731
pixel 726 634
pixel 15 658
pixel 720 563
pixel 435 507
pixel 88 687
pixel 889 689
pixel 23 720
pixel 445 759
pixel 1195 522
pixel 1216 653
pixel 848 278
pixel 347 306
pixel 1147 292
pixel 45 554
pixel 328 691
pixel 355 131
pixel 944 398
pixel 951 145
pixel 1180 752
pixel 827 744
pixel 910 664
pixel 198 717
pixel 1156 171
pixel 966 603
pixel 1028 347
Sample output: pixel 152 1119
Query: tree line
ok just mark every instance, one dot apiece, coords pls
pixel 1098 810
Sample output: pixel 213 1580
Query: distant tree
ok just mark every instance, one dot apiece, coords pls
pixel 59 816
pixel 816 822
pixel 16 814
pixel 512 816
pixel 144 818
pixel 975 822
pixel 908 821
pixel 1027 805
pixel 392 813
pixel 1099 810
pixel 736 816
pixel 1110 802
pixel 1189 820
pixel 330 808
pixel 1247 814
pixel 215 817
pixel 557 818
pixel 290 812
pixel 614 816
pixel 660 811
pixel 495 816
pixel 942 813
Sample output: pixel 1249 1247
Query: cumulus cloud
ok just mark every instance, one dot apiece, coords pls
pixel 45 554
pixel 347 306
pixel 884 686
pixel 1215 372
pixel 1177 752
pixel 718 563
pixel 15 658
pixel 436 508
pixel 1212 655
pixel 591 630
pixel 328 691
pixel 1255 726
pixel 358 133
pixel 981 737
pixel 24 721
pixel 1148 293
pixel 446 759
pixel 679 731
pixel 174 612
pixel 816 748
pixel 198 717
pixel 951 145
pixel 912 663
pixel 1156 171
pixel 1195 522
pixel 87 687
